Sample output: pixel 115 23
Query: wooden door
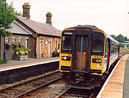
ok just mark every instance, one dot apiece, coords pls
pixel 81 49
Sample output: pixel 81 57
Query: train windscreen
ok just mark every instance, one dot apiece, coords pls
pixel 66 42
pixel 98 43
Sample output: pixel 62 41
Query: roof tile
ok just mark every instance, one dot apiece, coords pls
pixel 40 28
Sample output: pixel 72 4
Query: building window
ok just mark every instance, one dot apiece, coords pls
pixel 26 42
pixel 20 39
pixel 13 39
pixel 56 45
pixel 41 46
pixel 49 40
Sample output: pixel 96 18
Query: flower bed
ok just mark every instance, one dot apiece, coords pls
pixel 21 54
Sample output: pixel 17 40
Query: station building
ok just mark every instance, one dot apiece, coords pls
pixel 42 39
pixel 126 44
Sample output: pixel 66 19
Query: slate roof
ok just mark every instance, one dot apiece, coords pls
pixel 40 28
pixel 18 29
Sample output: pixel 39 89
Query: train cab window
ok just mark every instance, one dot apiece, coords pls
pixel 98 43
pixel 66 42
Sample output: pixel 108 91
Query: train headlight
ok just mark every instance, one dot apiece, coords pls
pixel 67 58
pixel 96 60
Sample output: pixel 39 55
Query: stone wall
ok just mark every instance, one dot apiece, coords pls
pixel 25 39
pixel 46 45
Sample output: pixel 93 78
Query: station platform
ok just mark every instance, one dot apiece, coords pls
pixel 117 84
pixel 14 64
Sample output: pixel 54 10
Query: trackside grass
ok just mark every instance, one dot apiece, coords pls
pixel 124 50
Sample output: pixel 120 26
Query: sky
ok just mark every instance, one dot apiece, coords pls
pixel 109 15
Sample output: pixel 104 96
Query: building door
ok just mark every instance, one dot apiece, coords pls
pixel 81 49
pixel 49 49
pixel 41 48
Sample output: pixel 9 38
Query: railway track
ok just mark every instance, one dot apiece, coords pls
pixel 77 93
pixel 25 87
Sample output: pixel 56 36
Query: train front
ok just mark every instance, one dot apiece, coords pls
pixel 81 57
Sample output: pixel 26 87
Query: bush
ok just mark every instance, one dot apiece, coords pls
pixel 14 45
pixel 3 61
pixel 21 51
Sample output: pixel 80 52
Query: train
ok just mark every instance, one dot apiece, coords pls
pixel 86 56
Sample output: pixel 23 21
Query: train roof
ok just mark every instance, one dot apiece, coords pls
pixel 91 27
pixel 108 36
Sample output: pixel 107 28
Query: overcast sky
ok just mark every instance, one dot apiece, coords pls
pixel 109 15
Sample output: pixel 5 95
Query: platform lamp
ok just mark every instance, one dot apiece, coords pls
pixel 5 31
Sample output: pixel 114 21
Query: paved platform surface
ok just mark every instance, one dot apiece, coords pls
pixel 12 64
pixel 117 85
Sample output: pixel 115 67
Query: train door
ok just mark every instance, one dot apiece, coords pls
pixel 81 49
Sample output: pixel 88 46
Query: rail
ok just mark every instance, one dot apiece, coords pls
pixel 33 84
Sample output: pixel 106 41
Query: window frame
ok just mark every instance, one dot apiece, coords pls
pixel 66 51
pixel 98 53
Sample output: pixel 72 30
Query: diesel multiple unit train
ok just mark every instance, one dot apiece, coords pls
pixel 86 55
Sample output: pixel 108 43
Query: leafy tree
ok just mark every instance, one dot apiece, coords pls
pixel 128 46
pixel 126 38
pixel 119 38
pixel 7 16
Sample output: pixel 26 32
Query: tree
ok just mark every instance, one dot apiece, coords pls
pixel 119 38
pixel 7 16
pixel 126 39
pixel 128 46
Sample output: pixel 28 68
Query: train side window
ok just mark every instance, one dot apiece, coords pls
pixel 113 48
pixel 106 48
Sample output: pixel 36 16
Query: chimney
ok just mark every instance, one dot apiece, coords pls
pixel 49 18
pixel 26 10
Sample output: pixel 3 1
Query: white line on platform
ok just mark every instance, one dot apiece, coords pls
pixel 27 65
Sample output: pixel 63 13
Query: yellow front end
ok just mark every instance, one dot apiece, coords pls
pixel 65 62
pixel 97 64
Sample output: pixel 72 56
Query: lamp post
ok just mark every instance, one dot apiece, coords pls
pixel 5 31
